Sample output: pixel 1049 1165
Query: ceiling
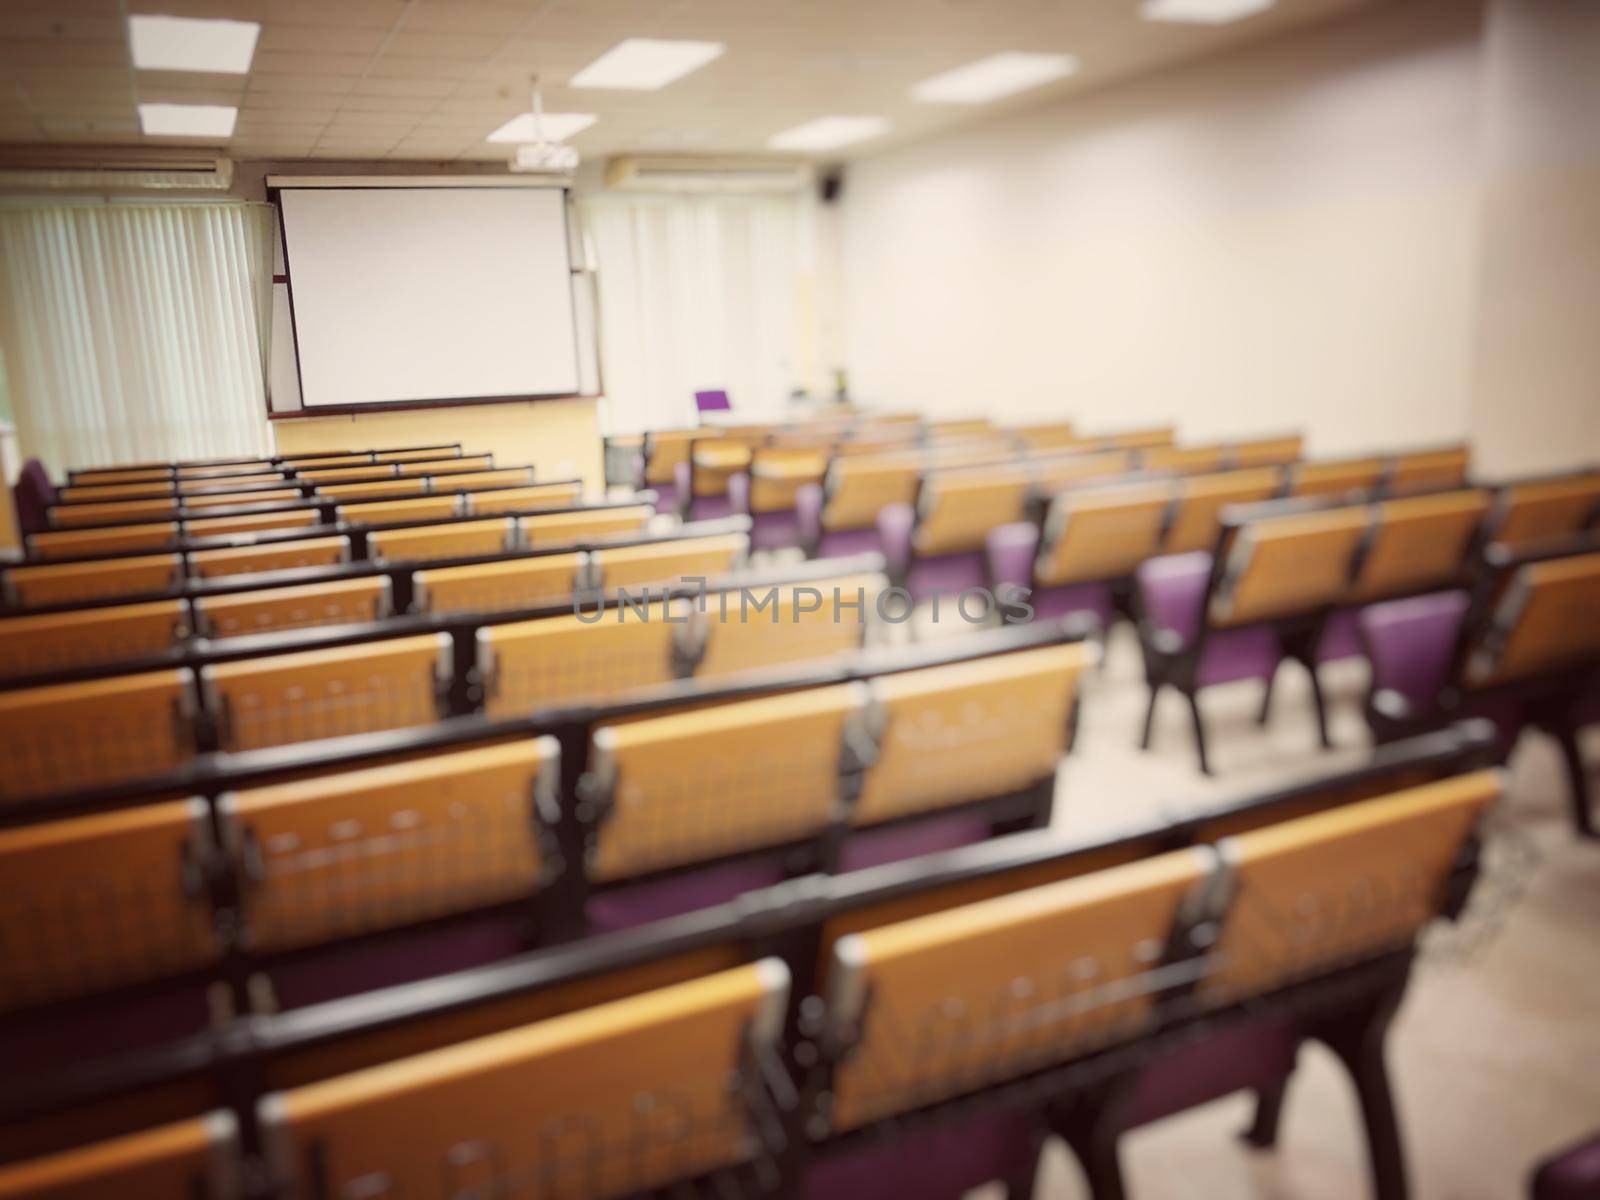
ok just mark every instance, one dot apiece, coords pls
pixel 428 80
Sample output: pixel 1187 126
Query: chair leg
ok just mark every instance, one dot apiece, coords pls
pixel 1266 699
pixel 1199 732
pixel 1577 780
pixel 1361 1048
pixel 1263 1131
pixel 1021 1180
pixel 1096 1150
pixel 1319 703
pixel 1149 717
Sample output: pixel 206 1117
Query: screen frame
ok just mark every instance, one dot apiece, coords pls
pixel 275 189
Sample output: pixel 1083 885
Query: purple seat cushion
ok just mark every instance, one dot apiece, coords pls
pixel 1090 599
pixel 946 574
pixel 65 1034
pixel 402 958
pixel 1172 593
pixel 33 495
pixel 874 847
pixel 1573 1174
pixel 1010 549
pixel 1411 643
pixel 895 522
pixel 711 508
pixel 808 501
pixel 1341 636
pixel 841 543
pixel 1240 1055
pixel 935 1163
pixel 775 530
pixel 667 497
pixel 626 907
pixel 1172 590
pixel 1253 652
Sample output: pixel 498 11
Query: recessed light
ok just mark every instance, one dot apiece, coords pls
pixel 188 120
pixel 186 44
pixel 1203 12
pixel 826 133
pixel 993 77
pixel 644 64
pixel 556 127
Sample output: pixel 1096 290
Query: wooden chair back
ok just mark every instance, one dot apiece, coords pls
pixel 804 622
pixel 585 524
pixel 556 661
pixel 1332 889
pixel 1332 478
pixel 303 606
pixel 91 636
pixel 397 512
pixel 67 583
pixel 669 562
pixel 1551 508
pixel 364 850
pixel 858 488
pixel 957 509
pixel 450 466
pixel 457 539
pixel 1101 533
pixel 1266 452
pixel 112 512
pixel 955 1001
pixel 651 1094
pixel 523 499
pixel 240 499
pixel 502 586
pixel 283 556
pixel 1429 470
pixel 1544 622
pixel 1419 543
pixel 99 732
pixel 967 731
pixel 1283 566
pixel 1200 499
pixel 112 539
pixel 194 1159
pixel 699 784
pixel 291 518
pixel 1185 460
pixel 315 694
pixel 103 901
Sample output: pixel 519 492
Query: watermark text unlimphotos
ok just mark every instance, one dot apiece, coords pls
pixel 795 602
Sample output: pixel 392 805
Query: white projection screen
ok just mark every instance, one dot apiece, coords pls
pixel 404 294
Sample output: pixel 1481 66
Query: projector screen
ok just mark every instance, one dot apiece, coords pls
pixel 404 294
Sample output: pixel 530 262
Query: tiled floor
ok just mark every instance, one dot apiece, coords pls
pixel 1496 1054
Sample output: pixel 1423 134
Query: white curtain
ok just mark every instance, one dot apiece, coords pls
pixel 700 292
pixel 136 330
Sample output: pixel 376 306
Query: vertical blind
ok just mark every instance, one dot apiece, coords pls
pixel 699 292
pixel 136 330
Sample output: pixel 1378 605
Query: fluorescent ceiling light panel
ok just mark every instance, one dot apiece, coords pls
pixel 827 133
pixel 645 64
pixel 186 44
pixel 1203 12
pixel 994 77
pixel 557 127
pixel 188 120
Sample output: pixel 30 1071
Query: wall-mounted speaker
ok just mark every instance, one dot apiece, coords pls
pixel 831 186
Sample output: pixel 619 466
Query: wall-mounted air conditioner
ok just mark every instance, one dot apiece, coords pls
pixel 670 173
pixel 116 173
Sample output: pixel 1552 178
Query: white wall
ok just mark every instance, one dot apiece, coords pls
pixel 1536 397
pixel 1280 238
